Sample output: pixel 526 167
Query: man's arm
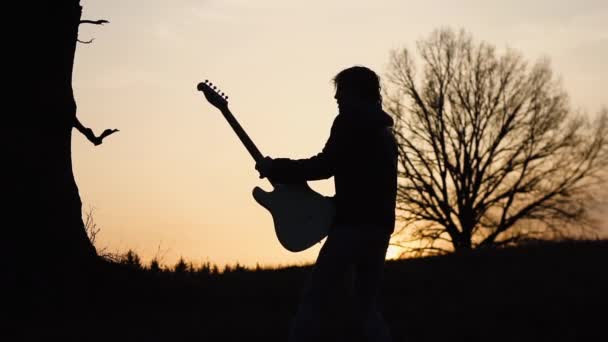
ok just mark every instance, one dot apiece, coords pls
pixel 320 166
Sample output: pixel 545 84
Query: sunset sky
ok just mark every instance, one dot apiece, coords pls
pixel 176 181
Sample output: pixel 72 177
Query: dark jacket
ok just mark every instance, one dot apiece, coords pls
pixel 361 154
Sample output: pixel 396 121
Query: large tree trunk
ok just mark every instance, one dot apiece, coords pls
pixel 47 230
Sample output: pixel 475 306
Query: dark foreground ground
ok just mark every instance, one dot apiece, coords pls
pixel 540 292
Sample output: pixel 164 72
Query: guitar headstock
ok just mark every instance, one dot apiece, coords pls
pixel 213 94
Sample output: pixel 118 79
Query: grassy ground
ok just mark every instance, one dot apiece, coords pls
pixel 541 292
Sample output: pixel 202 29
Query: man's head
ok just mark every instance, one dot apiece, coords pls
pixel 357 86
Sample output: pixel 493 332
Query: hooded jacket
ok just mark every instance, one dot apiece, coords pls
pixel 361 155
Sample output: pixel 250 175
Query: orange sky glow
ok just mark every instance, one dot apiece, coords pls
pixel 175 181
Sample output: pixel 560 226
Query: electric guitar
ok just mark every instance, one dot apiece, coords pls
pixel 301 216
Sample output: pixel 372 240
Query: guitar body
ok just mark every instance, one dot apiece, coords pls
pixel 301 216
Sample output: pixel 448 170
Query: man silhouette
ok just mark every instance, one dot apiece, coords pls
pixel 361 155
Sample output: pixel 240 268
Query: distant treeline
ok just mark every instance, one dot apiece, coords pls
pixel 132 260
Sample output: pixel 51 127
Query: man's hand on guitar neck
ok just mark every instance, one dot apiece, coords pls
pixel 264 167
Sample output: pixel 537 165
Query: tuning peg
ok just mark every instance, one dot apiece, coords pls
pixel 206 81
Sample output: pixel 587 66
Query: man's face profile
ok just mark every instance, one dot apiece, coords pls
pixel 345 98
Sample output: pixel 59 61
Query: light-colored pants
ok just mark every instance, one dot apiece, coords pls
pixel 350 261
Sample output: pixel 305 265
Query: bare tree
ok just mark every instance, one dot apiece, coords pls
pixel 490 151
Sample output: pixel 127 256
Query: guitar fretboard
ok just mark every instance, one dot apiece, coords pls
pixel 240 132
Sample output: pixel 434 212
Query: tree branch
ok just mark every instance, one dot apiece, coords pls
pixel 94 22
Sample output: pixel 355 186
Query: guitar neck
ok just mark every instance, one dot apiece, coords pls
pixel 240 132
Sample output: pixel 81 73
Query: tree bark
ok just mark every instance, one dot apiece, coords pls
pixel 47 227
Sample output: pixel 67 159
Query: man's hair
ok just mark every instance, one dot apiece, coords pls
pixel 360 81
